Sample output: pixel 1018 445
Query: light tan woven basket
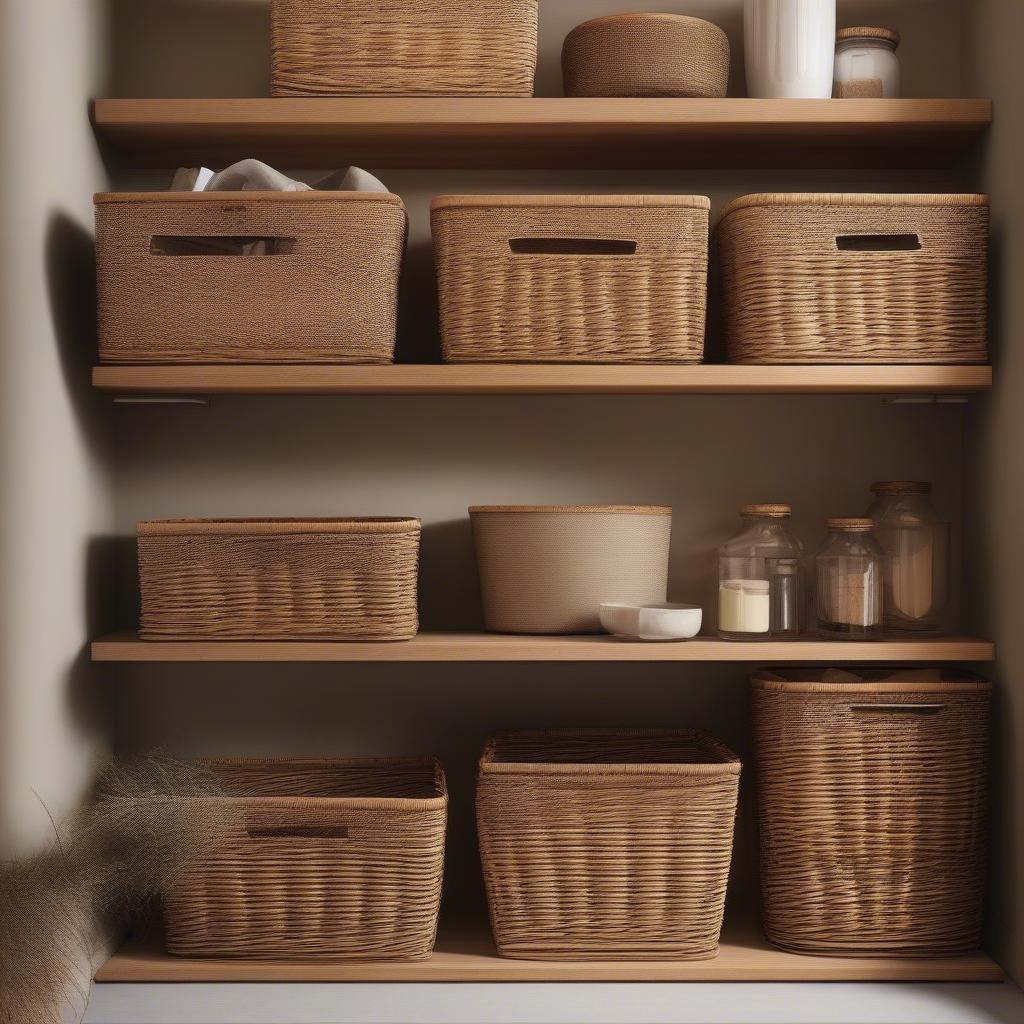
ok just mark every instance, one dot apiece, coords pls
pixel 572 279
pixel 404 47
pixel 251 277
pixel 646 55
pixel 279 579
pixel 601 843
pixel 548 568
pixel 855 278
pixel 328 859
pixel 872 805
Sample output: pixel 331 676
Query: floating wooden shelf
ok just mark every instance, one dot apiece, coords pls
pixel 522 133
pixel 498 379
pixel 468 955
pixel 480 647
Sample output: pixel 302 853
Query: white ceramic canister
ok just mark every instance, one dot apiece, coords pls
pixel 866 63
pixel 790 48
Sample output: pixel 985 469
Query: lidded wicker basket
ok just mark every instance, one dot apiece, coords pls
pixel 279 579
pixel 571 279
pixel 327 859
pixel 646 55
pixel 404 47
pixel 836 278
pixel 601 843
pixel 248 277
pixel 872 792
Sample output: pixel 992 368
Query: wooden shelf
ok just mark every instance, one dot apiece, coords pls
pixel 522 133
pixel 483 647
pixel 498 379
pixel 468 955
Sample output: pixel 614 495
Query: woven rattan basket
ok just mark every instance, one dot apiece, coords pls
pixel 571 279
pixel 404 47
pixel 601 843
pixel 327 859
pixel 855 278
pixel 872 807
pixel 250 277
pixel 279 579
pixel 548 568
pixel 646 55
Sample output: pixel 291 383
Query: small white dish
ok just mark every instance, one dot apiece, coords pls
pixel 652 621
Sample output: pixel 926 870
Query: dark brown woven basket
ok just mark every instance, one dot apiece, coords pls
pixel 329 859
pixel 601 843
pixel 872 806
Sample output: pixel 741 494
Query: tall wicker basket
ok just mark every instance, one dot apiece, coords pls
pixel 601 843
pixel 855 278
pixel 325 859
pixel 571 279
pixel 872 804
pixel 279 579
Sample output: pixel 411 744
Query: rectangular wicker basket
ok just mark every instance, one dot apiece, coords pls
pixel 855 278
pixel 572 279
pixel 324 859
pixel 602 843
pixel 404 47
pixel 872 792
pixel 248 277
pixel 279 579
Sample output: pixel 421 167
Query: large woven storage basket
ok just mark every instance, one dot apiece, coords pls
pixel 324 859
pixel 548 568
pixel 572 279
pixel 855 278
pixel 404 47
pixel 601 843
pixel 279 579
pixel 872 808
pixel 249 277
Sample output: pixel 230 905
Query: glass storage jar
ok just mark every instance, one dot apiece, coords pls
pixel 916 575
pixel 849 572
pixel 866 65
pixel 759 577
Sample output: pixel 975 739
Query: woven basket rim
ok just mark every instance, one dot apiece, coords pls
pixel 896 199
pixel 724 762
pixel 637 510
pixel 386 198
pixel 548 200
pixel 957 682
pixel 277 527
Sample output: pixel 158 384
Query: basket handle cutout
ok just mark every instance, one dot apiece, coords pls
pixel 299 832
pixel 906 709
pixel 572 246
pixel 220 245
pixel 878 243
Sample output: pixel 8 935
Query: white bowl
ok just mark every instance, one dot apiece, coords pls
pixel 652 621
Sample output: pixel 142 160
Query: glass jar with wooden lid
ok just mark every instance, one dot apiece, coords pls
pixel 866 65
pixel 849 576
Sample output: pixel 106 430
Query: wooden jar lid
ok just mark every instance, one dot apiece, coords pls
pixel 889 35
pixel 774 511
pixel 901 487
pixel 851 524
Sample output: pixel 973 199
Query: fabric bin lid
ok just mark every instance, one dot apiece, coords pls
pixel 759 199
pixel 880 680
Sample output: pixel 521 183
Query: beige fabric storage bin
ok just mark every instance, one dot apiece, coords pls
pixel 294 277
pixel 548 568
pixel 279 579
pixel 404 47
pixel 835 278
pixel 602 844
pixel 338 860
pixel 872 788
pixel 571 279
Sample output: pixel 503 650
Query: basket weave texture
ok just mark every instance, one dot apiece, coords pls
pixel 240 579
pixel 872 811
pixel 328 859
pixel 606 842
pixel 328 294
pixel 835 278
pixel 572 279
pixel 404 47
pixel 646 55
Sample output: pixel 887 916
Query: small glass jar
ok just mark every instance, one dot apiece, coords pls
pixel 759 578
pixel 849 568
pixel 917 545
pixel 866 65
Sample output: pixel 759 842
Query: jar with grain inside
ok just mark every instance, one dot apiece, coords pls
pixel 866 65
pixel 759 578
pixel 849 571
pixel 916 571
